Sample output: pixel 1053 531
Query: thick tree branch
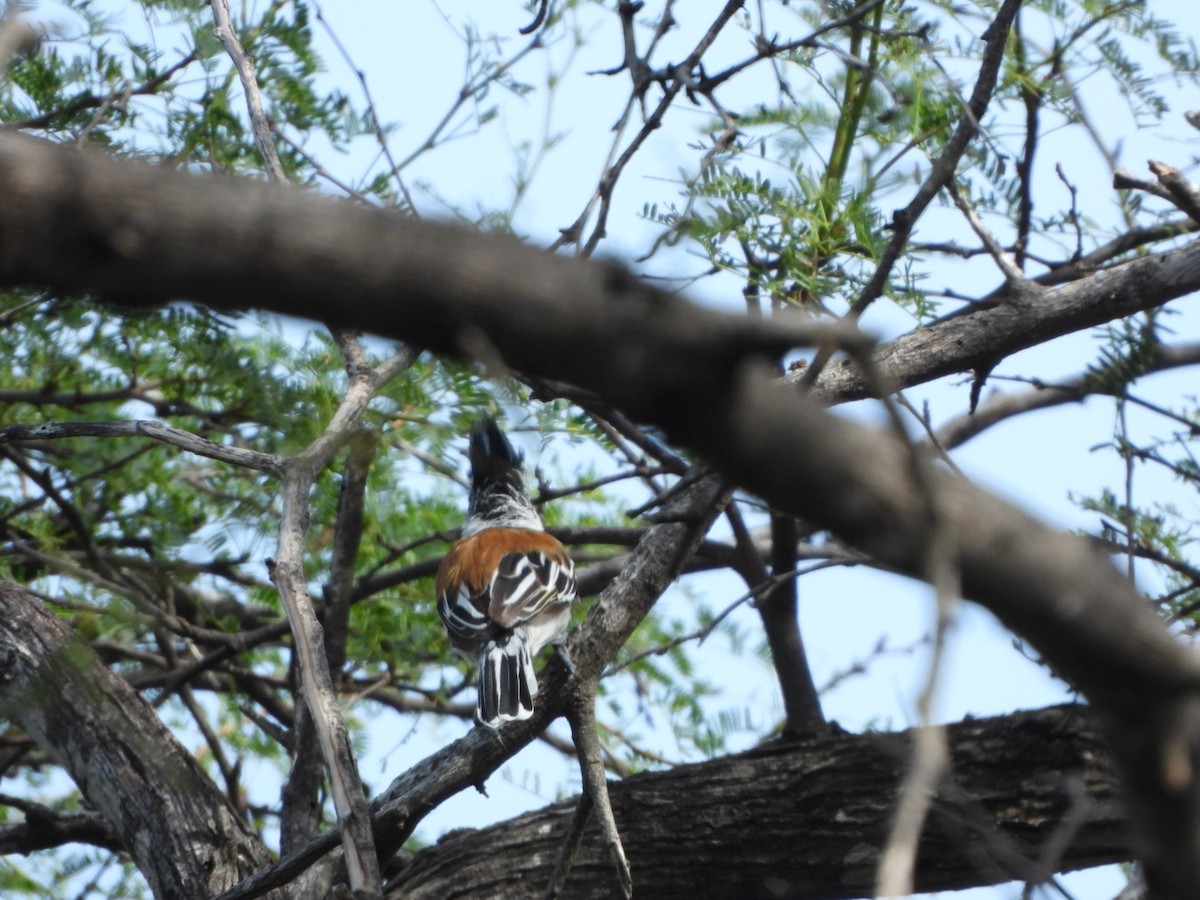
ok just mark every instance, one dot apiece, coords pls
pixel 138 234
pixel 980 339
pixel 124 760
pixel 808 818
pixel 133 233
pixel 44 829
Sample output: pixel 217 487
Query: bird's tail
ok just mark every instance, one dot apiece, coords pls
pixel 507 683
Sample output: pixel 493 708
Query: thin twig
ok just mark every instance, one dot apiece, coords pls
pixel 268 463
pixel 260 126
pixel 1007 265
pixel 702 633
pixel 930 755
pixel 88 100
pixel 380 135
pixel 1000 407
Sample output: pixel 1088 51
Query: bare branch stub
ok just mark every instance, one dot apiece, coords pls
pixel 1181 190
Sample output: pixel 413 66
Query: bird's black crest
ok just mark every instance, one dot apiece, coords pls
pixel 493 458
pixel 497 483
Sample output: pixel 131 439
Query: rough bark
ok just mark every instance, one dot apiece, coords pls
pixel 172 819
pixel 980 339
pixel 139 234
pixel 1029 794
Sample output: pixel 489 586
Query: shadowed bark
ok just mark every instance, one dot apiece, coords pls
pixel 808 818
pixel 170 816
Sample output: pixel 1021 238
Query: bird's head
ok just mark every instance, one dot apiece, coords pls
pixel 498 497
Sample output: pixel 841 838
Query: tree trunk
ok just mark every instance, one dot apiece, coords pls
pixel 178 827
pixel 1028 795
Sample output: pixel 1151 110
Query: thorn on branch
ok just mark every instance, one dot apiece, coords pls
pixel 977 383
pixel 533 26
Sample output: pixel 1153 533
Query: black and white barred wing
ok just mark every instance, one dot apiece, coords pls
pixel 529 585
pixel 465 615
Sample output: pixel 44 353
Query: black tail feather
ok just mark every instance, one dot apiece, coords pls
pixel 507 683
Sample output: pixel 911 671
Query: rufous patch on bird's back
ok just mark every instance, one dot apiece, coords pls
pixel 474 559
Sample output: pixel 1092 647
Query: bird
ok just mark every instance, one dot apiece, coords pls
pixel 504 591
